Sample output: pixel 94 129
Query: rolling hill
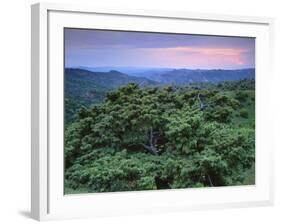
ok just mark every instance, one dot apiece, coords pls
pixel 83 88
pixel 185 76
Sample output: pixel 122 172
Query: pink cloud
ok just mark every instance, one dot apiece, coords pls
pixel 198 56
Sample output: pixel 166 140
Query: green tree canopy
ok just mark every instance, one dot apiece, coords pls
pixel 154 138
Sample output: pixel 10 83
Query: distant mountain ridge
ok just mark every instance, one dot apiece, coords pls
pixel 182 76
pixel 111 79
pixel 132 71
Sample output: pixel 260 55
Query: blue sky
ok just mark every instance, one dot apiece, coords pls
pixel 98 48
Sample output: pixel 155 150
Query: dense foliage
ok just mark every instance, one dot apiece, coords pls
pixel 84 88
pixel 161 138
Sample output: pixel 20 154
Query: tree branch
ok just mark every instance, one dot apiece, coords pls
pixel 151 149
pixel 210 180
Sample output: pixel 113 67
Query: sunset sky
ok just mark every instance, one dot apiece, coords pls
pixel 94 48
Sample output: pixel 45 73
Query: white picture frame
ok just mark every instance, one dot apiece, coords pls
pixel 47 198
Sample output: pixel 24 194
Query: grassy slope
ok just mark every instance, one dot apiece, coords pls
pixel 246 122
pixel 249 106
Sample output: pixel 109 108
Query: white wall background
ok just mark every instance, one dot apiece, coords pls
pixel 15 110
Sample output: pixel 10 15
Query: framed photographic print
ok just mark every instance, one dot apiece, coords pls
pixel 148 111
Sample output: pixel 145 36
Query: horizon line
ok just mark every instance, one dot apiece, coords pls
pixel 141 67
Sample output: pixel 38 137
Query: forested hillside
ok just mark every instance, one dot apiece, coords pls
pixel 83 88
pixel 145 137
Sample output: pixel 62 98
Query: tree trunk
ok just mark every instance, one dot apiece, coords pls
pixel 210 180
pixel 151 148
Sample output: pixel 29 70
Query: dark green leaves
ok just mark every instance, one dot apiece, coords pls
pixel 159 138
